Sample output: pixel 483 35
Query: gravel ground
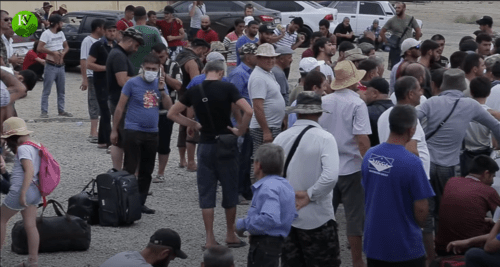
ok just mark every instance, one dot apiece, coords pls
pixel 176 200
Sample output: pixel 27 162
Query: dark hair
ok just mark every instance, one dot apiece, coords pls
pixel 465 38
pixel 35 46
pixel 247 6
pixel 12 142
pixel 168 9
pixel 299 21
pixel 367 65
pixel 159 47
pixel 344 46
pixel 469 45
pixel 151 58
pixel 403 86
pixel 253 22
pixel 320 43
pixel 427 46
pixel 471 61
pixel 139 13
pixel 402 118
pixel 325 23
pixel 316 35
pixel 495 70
pixel 238 21
pixel 129 8
pixel 29 79
pixel 483 163
pixel 457 58
pixel 480 87
pixel 437 76
pixel 437 37
pixel 97 23
pixel 313 78
pixel 483 37
pixel 218 256
pixel 151 13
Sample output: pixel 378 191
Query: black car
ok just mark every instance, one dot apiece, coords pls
pixel 77 27
pixel 223 13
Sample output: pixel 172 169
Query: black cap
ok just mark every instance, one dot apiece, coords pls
pixel 299 21
pixel 379 83
pixel 168 9
pixel 485 20
pixel 140 11
pixel 199 42
pixel 170 238
pixel 109 25
pixel 56 18
pixel 266 28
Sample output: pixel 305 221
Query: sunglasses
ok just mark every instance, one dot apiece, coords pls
pixel 7 19
pixel 416 47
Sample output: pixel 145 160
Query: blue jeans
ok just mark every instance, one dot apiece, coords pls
pixel 476 257
pixel 53 73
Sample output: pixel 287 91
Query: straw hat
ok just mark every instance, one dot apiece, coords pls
pixel 14 126
pixel 346 75
pixel 266 50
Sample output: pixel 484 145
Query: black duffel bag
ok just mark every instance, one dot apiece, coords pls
pixel 58 233
pixel 85 204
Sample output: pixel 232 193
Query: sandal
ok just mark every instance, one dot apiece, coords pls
pixel 27 264
pixel 93 139
pixel 236 245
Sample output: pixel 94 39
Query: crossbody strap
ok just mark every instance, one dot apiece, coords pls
pixel 407 27
pixel 294 148
pixel 427 137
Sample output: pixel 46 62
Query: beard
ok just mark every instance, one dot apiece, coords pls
pixel 205 27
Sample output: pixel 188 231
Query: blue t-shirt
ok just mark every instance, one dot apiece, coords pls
pixel 393 179
pixel 241 41
pixel 143 105
pixel 199 79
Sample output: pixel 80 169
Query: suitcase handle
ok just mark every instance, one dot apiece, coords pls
pixel 57 209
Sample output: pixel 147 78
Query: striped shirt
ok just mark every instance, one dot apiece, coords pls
pixel 288 40
pixel 230 44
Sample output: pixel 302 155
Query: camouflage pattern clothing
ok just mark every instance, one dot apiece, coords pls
pixel 312 248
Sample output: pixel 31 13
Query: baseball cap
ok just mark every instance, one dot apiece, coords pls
pixel 247 19
pixel 168 10
pixel 213 56
pixel 283 50
pixel 485 20
pixel 409 43
pixel 379 83
pixel 199 42
pixel 308 64
pixel 109 25
pixel 168 237
pixel 134 34
pixel 47 4
pixel 266 28
pixel 248 48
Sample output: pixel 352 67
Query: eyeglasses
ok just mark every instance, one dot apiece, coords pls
pixel 7 19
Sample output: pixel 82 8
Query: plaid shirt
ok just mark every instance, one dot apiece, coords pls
pixel 375 31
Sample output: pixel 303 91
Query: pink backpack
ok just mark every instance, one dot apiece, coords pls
pixel 49 175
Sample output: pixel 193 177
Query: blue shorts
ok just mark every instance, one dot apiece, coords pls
pixel 33 197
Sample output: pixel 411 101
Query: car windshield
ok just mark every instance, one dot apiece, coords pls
pixel 314 4
pixel 255 5
pixel 71 23
pixel 392 9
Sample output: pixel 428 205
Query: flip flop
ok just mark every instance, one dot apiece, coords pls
pixel 181 166
pixel 236 245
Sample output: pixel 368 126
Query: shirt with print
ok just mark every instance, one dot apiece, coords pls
pixel 85 50
pixel 209 36
pixel 143 105
pixel 100 51
pixel 397 26
pixel 280 76
pixel 241 41
pixel 31 57
pixel 53 41
pixel 230 44
pixel 122 24
pixel 117 61
pixel 170 29
pixel 375 31
pixel 151 36
pixel 198 12
pixel 393 179
pixel 127 259
pixel 263 85
pixel 288 40
pixel 220 96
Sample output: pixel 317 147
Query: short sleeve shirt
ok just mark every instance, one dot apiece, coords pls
pixel 263 85
pixel 170 29
pixel 397 26
pixel 117 62
pixel 198 12
pixel 122 24
pixel 151 36
pixel 100 51
pixel 85 50
pixel 127 259
pixel 53 41
pixel 5 95
pixel 24 152
pixel 241 41
pixel 280 76
pixel 210 36
pixel 143 105
pixel 288 40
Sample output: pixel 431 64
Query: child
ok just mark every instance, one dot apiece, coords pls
pixel 23 193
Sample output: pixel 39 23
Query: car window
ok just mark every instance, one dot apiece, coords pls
pixel 288 6
pixel 314 4
pixel 368 8
pixel 392 9
pixel 183 7
pixel 87 27
pixel 222 6
pixel 72 24
pixel 346 7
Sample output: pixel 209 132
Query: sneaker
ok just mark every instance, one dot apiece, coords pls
pixel 65 114
pixel 159 179
pixel 147 210
pixel 44 115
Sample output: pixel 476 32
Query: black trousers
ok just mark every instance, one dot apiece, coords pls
pixel 265 251
pixel 37 68
pixel 420 262
pixel 104 130
pixel 140 151
pixel 245 164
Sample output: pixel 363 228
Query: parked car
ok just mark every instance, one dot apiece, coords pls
pixel 21 45
pixel 311 12
pixel 362 13
pixel 223 13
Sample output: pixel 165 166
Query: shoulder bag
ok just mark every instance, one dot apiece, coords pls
pixel 394 40
pixel 294 148
pixel 429 136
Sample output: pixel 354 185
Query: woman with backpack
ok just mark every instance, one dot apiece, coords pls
pixel 24 194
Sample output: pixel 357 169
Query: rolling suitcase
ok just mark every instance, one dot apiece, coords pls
pixel 85 204
pixel 119 199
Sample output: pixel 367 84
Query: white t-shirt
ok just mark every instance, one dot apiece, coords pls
pixel 24 152
pixel 493 101
pixel 327 70
pixel 85 50
pixel 198 12
pixel 419 136
pixel 126 259
pixel 8 45
pixel 53 41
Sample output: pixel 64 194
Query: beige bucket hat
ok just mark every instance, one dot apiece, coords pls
pixel 266 50
pixel 14 126
pixel 346 75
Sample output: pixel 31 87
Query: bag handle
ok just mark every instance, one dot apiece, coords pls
pixel 93 182
pixel 57 208
pixel 427 137
pixel 294 148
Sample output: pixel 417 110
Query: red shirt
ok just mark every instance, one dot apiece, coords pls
pixel 464 205
pixel 30 57
pixel 210 36
pixel 308 53
pixel 122 24
pixel 170 29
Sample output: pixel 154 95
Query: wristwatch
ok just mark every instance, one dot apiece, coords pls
pixel 161 90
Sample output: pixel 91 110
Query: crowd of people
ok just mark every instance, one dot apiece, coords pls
pixel 410 158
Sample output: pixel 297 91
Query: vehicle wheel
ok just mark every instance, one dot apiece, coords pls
pixel 307 32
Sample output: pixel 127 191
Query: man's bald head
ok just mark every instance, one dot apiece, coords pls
pixel 416 70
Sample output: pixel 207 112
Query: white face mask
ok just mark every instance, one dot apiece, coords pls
pixel 150 76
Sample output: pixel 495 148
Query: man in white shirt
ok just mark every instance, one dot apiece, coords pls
pixel 312 171
pixel 351 131
pixel 196 10
pixel 324 50
pixel 97 26
pixel 493 101
pixel 54 44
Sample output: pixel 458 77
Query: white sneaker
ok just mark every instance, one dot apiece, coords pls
pixel 159 179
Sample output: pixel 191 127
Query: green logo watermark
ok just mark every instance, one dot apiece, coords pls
pixel 24 23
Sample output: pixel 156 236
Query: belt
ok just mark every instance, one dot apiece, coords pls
pixel 53 64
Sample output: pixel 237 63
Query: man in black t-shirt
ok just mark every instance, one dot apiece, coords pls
pixel 119 69
pixel 443 61
pixel 344 31
pixel 96 61
pixel 215 121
